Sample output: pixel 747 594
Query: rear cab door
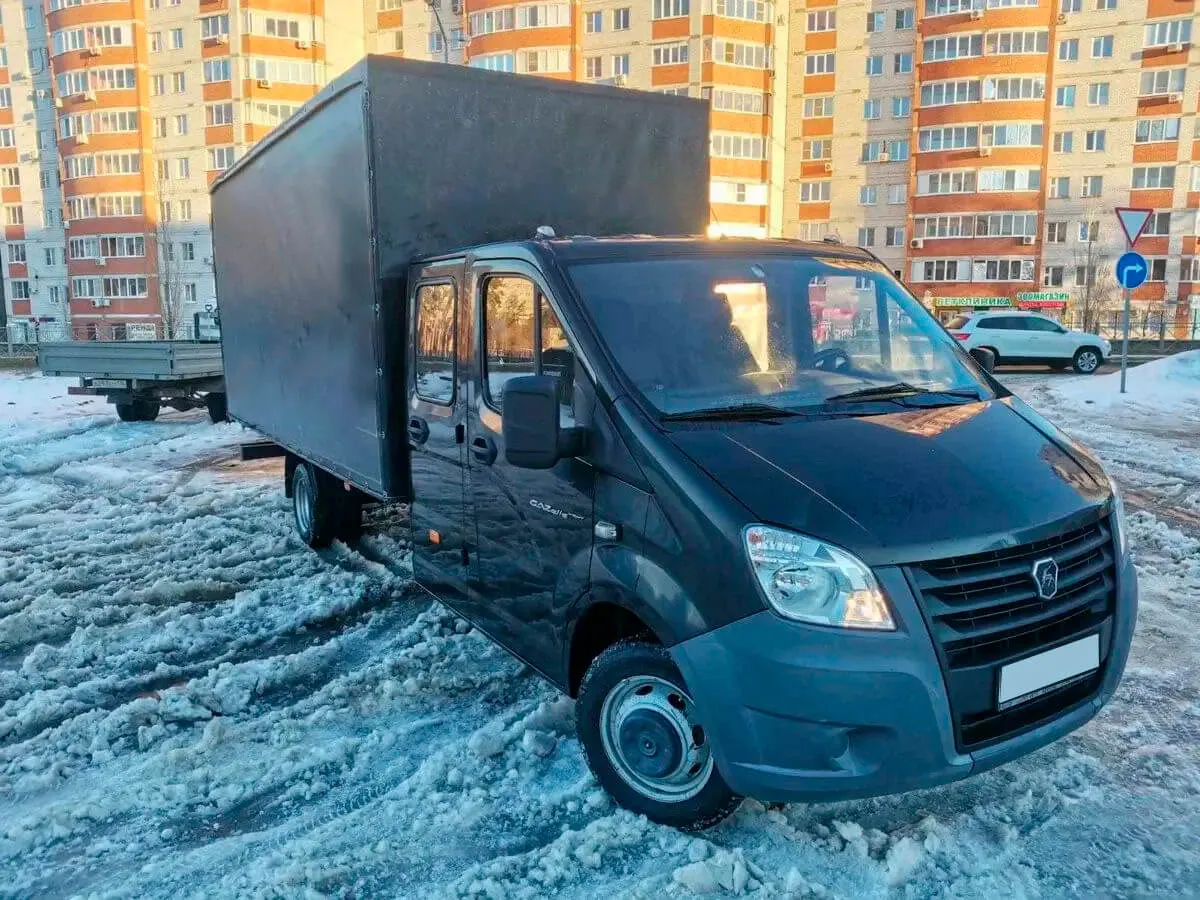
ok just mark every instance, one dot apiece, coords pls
pixel 533 528
pixel 1049 339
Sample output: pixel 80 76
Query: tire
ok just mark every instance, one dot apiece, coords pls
pixel 218 407
pixel 632 715
pixel 138 411
pixel 1087 360
pixel 313 506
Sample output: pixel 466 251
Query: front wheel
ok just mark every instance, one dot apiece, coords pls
pixel 642 738
pixel 1086 361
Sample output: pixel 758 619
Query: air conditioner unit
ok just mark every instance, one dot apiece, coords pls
pixel 1028 240
pixel 985 151
pixel 66 224
pixel 99 302
pixel 885 157
pixel 222 39
pixel 303 45
pixel 264 82
pixel 976 14
pixel 81 138
pixel 828 167
pixel 916 243
pixel 95 51
pixel 27 157
pixel 58 102
pixel 89 96
pixel 1062 19
pixel 1176 47
pixel 1175 97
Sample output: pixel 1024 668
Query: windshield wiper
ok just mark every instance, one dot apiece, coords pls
pixel 897 391
pixel 742 411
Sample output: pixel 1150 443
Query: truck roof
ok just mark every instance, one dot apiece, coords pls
pixel 585 247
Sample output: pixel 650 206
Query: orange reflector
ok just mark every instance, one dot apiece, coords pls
pixel 434 537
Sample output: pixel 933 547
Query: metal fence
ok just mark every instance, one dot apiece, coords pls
pixel 1145 323
pixel 23 338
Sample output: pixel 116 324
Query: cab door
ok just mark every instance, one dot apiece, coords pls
pixel 436 425
pixel 533 527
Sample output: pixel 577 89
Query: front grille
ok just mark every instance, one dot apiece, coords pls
pixel 984 611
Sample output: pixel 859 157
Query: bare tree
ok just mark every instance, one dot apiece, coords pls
pixel 1098 292
pixel 168 266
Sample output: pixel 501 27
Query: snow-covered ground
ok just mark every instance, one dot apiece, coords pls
pixel 193 704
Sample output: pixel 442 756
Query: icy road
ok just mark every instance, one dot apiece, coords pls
pixel 193 704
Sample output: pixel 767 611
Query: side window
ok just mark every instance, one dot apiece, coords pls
pixel 1036 323
pixel 990 324
pixel 558 359
pixel 508 304
pixel 436 344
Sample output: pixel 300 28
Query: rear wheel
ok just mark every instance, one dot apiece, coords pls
pixel 312 505
pixel 217 406
pixel 642 738
pixel 137 410
pixel 1087 360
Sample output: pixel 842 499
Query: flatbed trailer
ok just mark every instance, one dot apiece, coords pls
pixel 140 377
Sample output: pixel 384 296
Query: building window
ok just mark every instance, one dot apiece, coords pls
pixel 156 42
pixel 1068 50
pixel 951 137
pixel 133 286
pixel 901 107
pixel 823 20
pixel 20 289
pixel 219 158
pixel 1064 141
pixel 905 19
pixel 214 26
pixel 1093 185
pixel 16 252
pixel 902 63
pixel 866 237
pixel 1089 232
pixel 179 82
pixel 620 64
pixel 1053 276
pixel 949 93
pixel 593 22
pixel 670 54
pixel 875 65
pixel 14 215
pixel 1056 232
pixel 897 194
pixel 1098 93
pixel 1158 270
pixel 158 85
pixel 1095 140
pixel 189 292
pixel 10 176
pixel 1156 82
pixel 1161 34
pixel 670 9
pixel 176 38
pixel 162 168
pixel 1152 130
pixel 185 210
pixel 181 124
pixel 1102 47
pixel 1060 187
pixel 434 43
pixel 216 70
pixel 1158 225
pixel 593 67
pixel 816 150
pixel 750 10
pixel 893 236
pixel 183 167
pixel 868 195
pixel 621 19
pixel 1017 43
pixel 818 107
pixel 1064 96
pixel 961 46
pixel 737 101
pixel 738 146
pixel 819 64
pixel 875 20
pixel 814 191
pixel 1153 178
pixel 871 108
pixel 218 114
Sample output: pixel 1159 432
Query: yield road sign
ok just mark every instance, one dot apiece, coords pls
pixel 1131 270
pixel 1133 222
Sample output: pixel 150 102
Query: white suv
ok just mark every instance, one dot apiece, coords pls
pixel 1022 338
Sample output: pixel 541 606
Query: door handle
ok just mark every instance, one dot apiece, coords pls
pixel 484 450
pixel 418 430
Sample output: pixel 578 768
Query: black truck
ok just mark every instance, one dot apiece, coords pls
pixel 745 500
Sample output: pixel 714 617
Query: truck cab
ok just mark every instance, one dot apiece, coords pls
pixel 778 533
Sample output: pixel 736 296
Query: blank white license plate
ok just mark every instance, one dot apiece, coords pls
pixel 109 383
pixel 1020 680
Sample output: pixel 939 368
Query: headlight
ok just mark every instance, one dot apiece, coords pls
pixel 1118 518
pixel 809 580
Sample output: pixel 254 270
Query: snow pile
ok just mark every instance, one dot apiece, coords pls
pixel 194 704
pixel 1171 383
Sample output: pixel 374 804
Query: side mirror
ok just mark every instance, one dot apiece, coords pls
pixel 985 357
pixel 532 436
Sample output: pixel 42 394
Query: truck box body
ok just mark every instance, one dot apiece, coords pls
pixel 142 360
pixel 398 160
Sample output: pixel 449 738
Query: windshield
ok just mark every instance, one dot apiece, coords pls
pixel 789 332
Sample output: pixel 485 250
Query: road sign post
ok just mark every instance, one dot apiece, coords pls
pixel 1132 270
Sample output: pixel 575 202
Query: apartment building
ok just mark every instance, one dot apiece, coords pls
pixel 979 147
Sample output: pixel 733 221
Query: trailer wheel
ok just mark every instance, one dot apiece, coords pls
pixel 218 407
pixel 137 410
pixel 314 505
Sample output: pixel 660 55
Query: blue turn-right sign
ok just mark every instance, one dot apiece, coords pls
pixel 1131 270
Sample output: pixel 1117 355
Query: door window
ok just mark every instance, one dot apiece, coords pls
pixel 515 310
pixel 436 343
pixel 1035 323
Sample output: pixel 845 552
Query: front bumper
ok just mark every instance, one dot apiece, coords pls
pixel 795 712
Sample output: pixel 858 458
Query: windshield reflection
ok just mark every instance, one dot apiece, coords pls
pixel 720 333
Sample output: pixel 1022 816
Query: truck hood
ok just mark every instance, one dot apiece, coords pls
pixel 909 485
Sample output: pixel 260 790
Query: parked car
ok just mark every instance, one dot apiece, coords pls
pixel 1023 338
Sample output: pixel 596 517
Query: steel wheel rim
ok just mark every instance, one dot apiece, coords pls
pixel 302 493
pixel 669 712
pixel 1087 361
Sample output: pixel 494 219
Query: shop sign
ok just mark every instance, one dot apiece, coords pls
pixel 965 302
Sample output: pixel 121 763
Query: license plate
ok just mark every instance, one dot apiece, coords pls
pixel 108 383
pixel 1019 681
